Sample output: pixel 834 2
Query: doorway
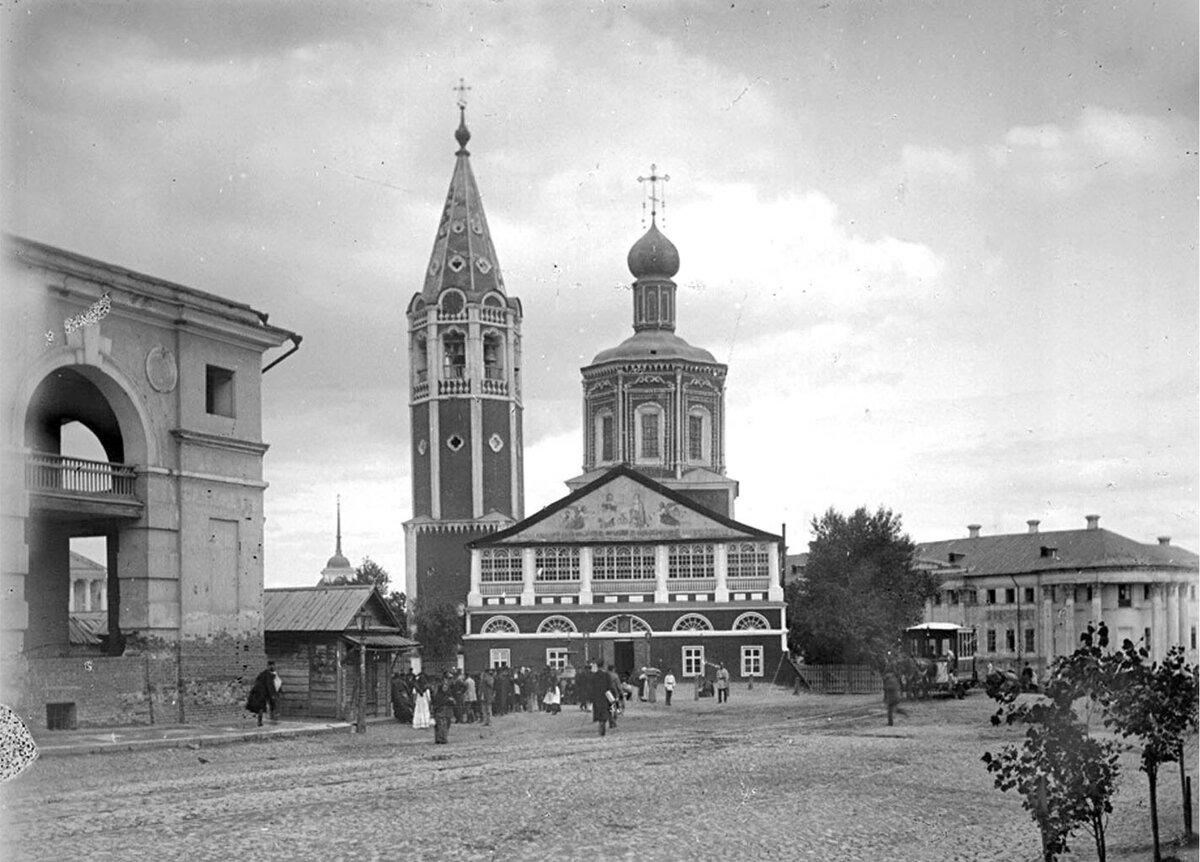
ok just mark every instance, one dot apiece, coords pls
pixel 623 658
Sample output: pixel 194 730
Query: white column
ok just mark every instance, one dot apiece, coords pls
pixel 1097 603
pixel 474 596
pixel 1069 644
pixel 1048 624
pixel 1157 622
pixel 433 345
pixel 1173 591
pixel 775 591
pixel 528 570
pixel 585 575
pixel 721 568
pixel 662 562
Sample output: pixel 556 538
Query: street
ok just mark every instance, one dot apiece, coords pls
pixel 767 776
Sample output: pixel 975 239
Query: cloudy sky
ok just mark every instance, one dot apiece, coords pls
pixel 948 250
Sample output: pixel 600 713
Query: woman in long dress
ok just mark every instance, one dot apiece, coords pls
pixel 421 719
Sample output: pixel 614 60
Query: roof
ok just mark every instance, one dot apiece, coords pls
pixel 1060 550
pixel 82 631
pixel 623 506
pixel 654 345
pixel 385 641
pixel 463 254
pixel 323 608
pixel 81 565
pixel 935 627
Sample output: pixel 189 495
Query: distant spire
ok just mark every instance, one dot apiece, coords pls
pixel 654 179
pixel 339 525
pixel 462 134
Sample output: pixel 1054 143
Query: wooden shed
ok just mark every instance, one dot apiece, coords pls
pixel 313 635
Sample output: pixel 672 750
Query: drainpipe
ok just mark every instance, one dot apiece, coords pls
pixel 295 339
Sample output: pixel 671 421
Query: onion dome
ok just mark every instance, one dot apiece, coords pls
pixel 652 345
pixel 653 256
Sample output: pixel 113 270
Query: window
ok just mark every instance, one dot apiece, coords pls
pixel 695 437
pixel 1029 641
pixel 751 621
pixel 748 560
pixel 648 432
pixel 420 359
pixel 499 626
pixel 623 563
pixel 752 661
pixel 1193 637
pixel 693 661
pixel 1010 596
pixel 1146 637
pixel 499 657
pixel 692 623
pixel 1145 592
pixel 937 598
pixel 556 624
pixel 691 561
pixel 1029 595
pixel 952 597
pixel 218 391
pixel 493 357
pixel 556 564
pixel 454 355
pixel 1089 594
pixel 604 437
pixel 499 565
pixel 557 658
pixel 991 597
pixel 1010 640
pixel 1124 596
pixel 991 640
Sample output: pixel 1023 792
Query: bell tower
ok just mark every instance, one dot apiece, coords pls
pixel 464 341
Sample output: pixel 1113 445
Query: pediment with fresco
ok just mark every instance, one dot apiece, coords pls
pixel 623 510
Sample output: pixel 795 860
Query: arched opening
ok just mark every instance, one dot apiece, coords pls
pixel 81 493
pixel 493 356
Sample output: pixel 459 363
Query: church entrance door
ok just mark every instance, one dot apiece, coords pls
pixel 623 658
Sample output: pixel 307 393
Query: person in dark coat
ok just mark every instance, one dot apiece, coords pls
pixel 504 691
pixel 402 706
pixel 596 693
pixel 891 694
pixel 441 704
pixel 264 693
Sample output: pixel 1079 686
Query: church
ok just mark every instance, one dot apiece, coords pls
pixel 642 564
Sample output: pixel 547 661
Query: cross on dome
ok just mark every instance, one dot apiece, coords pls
pixel 654 179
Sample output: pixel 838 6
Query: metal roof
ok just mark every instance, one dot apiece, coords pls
pixel 1060 550
pixel 323 608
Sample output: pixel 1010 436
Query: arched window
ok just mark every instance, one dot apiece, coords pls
pixel 648 431
pixel 454 355
pixel 699 436
pixel 623 623
pixel 420 359
pixel 556 624
pixel 692 623
pixel 750 622
pixel 499 626
pixel 605 437
pixel 493 356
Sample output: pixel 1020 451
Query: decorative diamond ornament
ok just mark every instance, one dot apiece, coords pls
pixel 496 443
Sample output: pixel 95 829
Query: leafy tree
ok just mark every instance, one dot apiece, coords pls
pixel 438 628
pixel 370 572
pixel 1155 703
pixel 859 592
pixel 1065 776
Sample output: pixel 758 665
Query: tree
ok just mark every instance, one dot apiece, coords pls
pixel 1157 704
pixel 1065 776
pixel 859 592
pixel 438 628
pixel 370 572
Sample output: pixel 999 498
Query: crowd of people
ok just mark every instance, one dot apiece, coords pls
pixel 454 697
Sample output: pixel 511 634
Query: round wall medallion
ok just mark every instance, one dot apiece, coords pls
pixel 161 370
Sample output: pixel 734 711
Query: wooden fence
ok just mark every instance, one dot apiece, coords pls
pixel 840 678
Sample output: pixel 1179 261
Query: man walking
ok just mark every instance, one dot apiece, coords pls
pixel 487 689
pixel 891 694
pixel 442 706
pixel 598 694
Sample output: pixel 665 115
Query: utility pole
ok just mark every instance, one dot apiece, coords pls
pixel 364 619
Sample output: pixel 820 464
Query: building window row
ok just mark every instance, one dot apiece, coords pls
pixel 691 561
pixel 749 560
pixel 624 623
pixel 554 563
pixel 500 565
pixel 623 562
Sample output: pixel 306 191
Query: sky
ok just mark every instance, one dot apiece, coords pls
pixel 947 250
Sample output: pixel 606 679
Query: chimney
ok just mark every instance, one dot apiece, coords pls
pixel 1033 525
pixel 973 531
pixel 1093 522
pixel 1164 540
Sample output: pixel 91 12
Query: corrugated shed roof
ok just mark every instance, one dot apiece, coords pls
pixel 1067 550
pixel 314 609
pixel 85 632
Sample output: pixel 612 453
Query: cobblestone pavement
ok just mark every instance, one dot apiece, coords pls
pixel 766 776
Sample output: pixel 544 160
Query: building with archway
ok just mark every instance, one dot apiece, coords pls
pixel 166 382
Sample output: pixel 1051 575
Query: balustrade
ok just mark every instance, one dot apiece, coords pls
pixel 691 585
pixel 46 472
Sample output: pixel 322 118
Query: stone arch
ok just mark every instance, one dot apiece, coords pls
pixel 750 621
pixel 612 624
pixel 692 623
pixel 499 625
pixel 556 623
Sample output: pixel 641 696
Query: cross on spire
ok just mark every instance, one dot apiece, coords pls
pixel 654 179
pixel 462 89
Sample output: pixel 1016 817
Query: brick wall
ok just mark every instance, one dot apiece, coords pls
pixel 196 682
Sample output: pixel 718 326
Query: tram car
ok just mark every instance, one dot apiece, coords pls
pixel 942 659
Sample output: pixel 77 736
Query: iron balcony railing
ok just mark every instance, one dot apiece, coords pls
pixel 46 472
